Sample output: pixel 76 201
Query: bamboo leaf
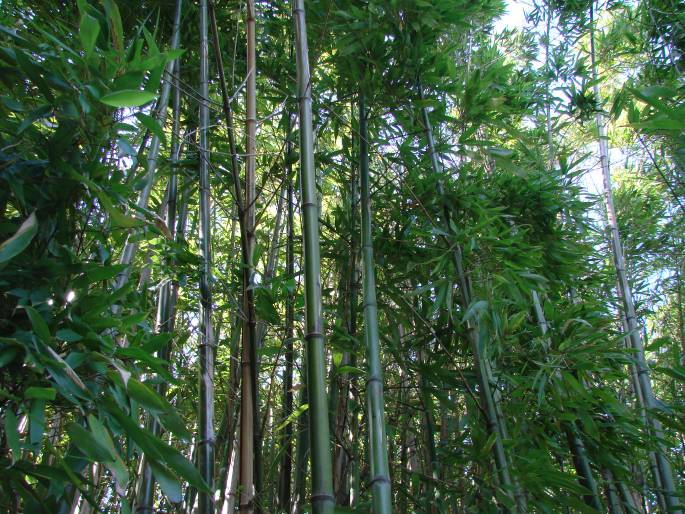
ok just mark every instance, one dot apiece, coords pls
pixel 677 372
pixel 68 335
pixel 474 310
pixel 152 124
pixel 36 422
pixel 145 396
pixel 167 482
pixel 12 433
pixel 40 393
pixel 89 28
pixel 20 240
pixel 118 218
pixel 40 328
pixel 293 416
pixel 128 98
pixel 117 466
pixel 87 444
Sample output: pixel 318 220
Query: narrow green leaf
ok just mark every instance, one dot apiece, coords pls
pixel 293 416
pixel 68 335
pixel 173 422
pixel 118 218
pixel 117 467
pixel 152 124
pixel 128 98
pixel 20 240
pixel 41 393
pixel 89 28
pixel 116 29
pixel 167 481
pixel 88 444
pixel 36 422
pixel 146 396
pixel 39 326
pixel 677 372
pixel 99 273
pixel 475 309
pixel 12 433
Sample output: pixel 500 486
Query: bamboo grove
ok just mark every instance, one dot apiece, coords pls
pixel 342 256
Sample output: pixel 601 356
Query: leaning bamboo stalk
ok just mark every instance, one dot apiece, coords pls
pixel 379 469
pixel 166 308
pixel 575 442
pixel 626 296
pixel 130 248
pixel 482 366
pixel 205 442
pixel 322 482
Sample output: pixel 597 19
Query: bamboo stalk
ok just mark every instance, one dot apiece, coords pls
pixel 166 307
pixel 378 444
pixel 245 207
pixel 322 482
pixel 131 247
pixel 626 296
pixel 206 440
pixel 166 310
pixel 249 468
pixel 286 467
pixel 482 366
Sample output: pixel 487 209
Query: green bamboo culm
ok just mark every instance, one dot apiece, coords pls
pixel 664 473
pixel 322 499
pixel 474 334
pixel 380 474
pixel 131 246
pixel 166 301
pixel 205 439
pixel 286 467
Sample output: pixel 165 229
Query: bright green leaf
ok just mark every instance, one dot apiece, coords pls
pixel 89 28
pixel 20 240
pixel 128 98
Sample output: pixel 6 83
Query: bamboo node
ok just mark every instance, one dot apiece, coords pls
pixel 379 479
pixel 324 497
